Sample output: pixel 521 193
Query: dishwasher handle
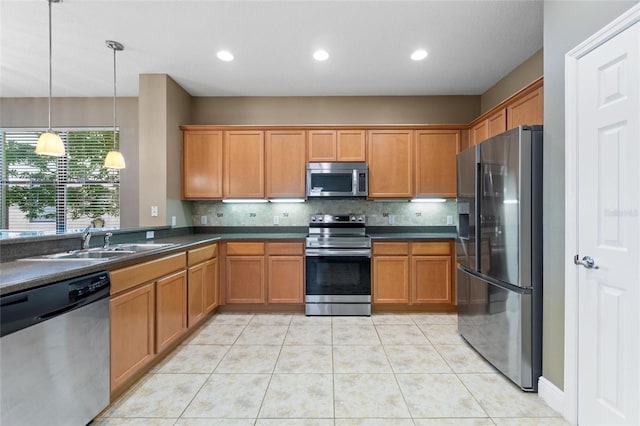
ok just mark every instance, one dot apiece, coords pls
pixel 58 312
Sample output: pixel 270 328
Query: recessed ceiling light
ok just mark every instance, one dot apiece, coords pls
pixel 320 55
pixel 419 55
pixel 225 55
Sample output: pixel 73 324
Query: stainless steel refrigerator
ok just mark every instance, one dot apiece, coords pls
pixel 499 251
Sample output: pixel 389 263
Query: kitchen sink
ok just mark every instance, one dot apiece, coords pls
pixel 100 254
pixel 88 254
pixel 137 247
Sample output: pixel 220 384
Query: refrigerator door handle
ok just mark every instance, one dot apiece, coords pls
pixel 586 261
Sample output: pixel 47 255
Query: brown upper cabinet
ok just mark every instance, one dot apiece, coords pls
pixel 202 164
pixel 243 164
pixel 390 158
pixel 497 122
pixel 479 132
pixel 286 166
pixel 527 109
pixel 523 108
pixel 336 145
pixel 435 157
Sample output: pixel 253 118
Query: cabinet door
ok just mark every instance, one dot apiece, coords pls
pixel 201 164
pixel 286 165
pixel 132 332
pixel 195 294
pixel 431 279
pixel 171 309
pixel 321 145
pixel 285 279
pixel 497 123
pixel 391 279
pixel 211 285
pixel 350 145
pixel 479 132
pixel 389 153
pixel 526 110
pixel 245 279
pixel 243 164
pixel 436 152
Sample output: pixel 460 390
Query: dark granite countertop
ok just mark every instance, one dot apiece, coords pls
pixel 27 273
pixel 24 274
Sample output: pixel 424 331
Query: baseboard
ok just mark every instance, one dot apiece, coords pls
pixel 551 394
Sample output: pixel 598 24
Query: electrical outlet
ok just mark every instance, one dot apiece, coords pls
pixel 203 220
pixel 392 219
pixel 154 211
pixel 276 220
pixel 173 221
pixel 449 220
pixel 150 235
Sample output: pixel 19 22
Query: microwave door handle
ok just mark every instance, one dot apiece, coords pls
pixel 354 182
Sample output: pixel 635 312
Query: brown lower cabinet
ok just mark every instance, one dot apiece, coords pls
pixel 202 283
pixel 171 309
pixel 153 304
pixel 264 272
pixel 133 315
pixel 413 273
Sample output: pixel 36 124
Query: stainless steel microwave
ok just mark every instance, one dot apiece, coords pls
pixel 337 180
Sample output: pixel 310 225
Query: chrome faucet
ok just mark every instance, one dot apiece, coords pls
pixel 107 238
pixel 86 237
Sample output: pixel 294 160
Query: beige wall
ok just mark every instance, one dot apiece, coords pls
pixel 163 106
pixel 94 112
pixel 178 112
pixel 521 76
pixel 152 131
pixel 566 24
pixel 335 110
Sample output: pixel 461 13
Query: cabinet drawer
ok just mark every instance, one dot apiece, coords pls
pixel 245 249
pixel 285 249
pixel 431 248
pixel 201 254
pixel 391 248
pixel 122 279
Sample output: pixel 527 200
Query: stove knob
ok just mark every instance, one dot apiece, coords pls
pixel 353 218
pixel 321 218
pixel 313 218
pixel 361 219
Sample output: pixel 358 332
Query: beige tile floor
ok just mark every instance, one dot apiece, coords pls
pixel 245 369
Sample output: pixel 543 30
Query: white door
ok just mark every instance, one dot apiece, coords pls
pixel 608 231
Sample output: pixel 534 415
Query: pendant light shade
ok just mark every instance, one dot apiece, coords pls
pixel 49 143
pixel 114 159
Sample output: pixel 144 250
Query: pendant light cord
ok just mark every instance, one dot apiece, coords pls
pixel 114 99
pixel 50 73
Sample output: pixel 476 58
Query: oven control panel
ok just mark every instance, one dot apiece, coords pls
pixel 338 218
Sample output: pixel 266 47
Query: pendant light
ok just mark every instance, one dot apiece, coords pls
pixel 49 142
pixel 114 159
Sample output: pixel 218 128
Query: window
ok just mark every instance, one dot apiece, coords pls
pixel 40 193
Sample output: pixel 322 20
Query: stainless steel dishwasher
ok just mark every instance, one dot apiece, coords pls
pixel 54 353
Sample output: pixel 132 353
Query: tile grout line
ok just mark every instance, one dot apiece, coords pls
pixel 212 371
pixel 266 390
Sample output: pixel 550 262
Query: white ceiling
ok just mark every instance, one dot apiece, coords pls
pixel 471 45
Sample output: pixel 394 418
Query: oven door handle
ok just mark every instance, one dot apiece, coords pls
pixel 337 253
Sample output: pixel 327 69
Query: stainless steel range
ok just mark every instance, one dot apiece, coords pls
pixel 338 266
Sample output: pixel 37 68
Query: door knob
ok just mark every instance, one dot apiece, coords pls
pixel 586 261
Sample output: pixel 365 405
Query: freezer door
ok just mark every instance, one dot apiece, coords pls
pixel 498 323
pixel 467 170
pixel 505 207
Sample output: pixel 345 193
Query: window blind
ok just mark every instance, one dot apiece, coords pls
pixel 69 192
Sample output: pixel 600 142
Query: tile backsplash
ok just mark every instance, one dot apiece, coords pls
pixel 399 213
